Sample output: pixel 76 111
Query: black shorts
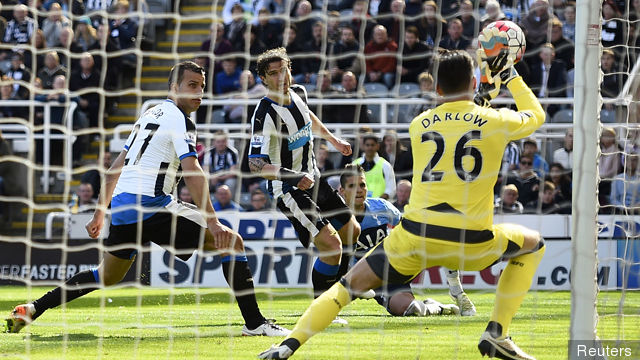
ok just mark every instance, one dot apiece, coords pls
pixel 178 227
pixel 379 263
pixel 309 216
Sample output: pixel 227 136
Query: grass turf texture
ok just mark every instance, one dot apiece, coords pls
pixel 130 323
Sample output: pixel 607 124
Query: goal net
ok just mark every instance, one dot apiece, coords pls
pixel 77 75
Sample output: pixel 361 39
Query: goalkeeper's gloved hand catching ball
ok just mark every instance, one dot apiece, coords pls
pixel 496 65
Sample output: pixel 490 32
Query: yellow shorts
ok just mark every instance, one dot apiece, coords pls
pixel 409 254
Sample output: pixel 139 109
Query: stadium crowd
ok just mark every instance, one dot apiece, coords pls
pixel 339 49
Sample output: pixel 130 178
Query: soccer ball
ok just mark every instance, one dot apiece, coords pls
pixel 510 35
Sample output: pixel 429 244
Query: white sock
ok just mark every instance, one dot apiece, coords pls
pixel 453 278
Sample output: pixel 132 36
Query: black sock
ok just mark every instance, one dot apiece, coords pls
pixel 345 260
pixel 80 284
pixel 236 272
pixel 495 329
pixel 323 277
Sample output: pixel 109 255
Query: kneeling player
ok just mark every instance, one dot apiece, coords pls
pixel 375 215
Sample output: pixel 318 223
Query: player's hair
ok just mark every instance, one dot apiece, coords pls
pixel 455 71
pixel 177 72
pixel 349 171
pixel 269 56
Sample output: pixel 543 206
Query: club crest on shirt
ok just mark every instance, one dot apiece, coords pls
pixel 300 138
pixel 257 140
pixel 190 138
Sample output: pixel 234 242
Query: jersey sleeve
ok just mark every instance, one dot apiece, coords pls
pixel 183 136
pixel 262 128
pixel 300 91
pixel 530 115
pixel 132 137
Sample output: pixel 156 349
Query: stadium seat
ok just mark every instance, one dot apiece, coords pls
pixel 563 116
pixel 376 90
pixel 607 116
pixel 407 89
pixel 218 116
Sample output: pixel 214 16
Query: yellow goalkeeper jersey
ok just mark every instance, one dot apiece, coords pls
pixel 457 152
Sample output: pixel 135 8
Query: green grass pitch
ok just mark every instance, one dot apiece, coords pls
pixel 130 323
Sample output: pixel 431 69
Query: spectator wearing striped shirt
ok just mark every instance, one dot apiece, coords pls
pixel 223 163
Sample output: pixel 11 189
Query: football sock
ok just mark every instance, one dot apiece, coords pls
pixel 453 278
pixel 236 272
pixel 320 313
pixel 513 286
pixel 345 260
pixel 78 285
pixel 323 276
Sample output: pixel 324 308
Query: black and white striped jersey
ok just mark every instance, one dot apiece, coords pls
pixel 282 135
pixel 161 137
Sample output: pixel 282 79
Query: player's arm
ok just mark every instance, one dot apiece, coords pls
pixel 318 128
pixel 262 168
pixel 196 181
pixel 106 192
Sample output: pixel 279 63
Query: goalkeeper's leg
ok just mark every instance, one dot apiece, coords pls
pixel 110 271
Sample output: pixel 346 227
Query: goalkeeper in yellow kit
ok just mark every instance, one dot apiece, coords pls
pixel 457 150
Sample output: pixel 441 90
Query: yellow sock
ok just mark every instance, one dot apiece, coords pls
pixel 321 313
pixel 513 286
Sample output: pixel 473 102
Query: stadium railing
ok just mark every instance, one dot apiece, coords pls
pixel 22 131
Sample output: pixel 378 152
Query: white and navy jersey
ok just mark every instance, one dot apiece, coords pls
pixel 374 223
pixel 161 137
pixel 218 162
pixel 282 135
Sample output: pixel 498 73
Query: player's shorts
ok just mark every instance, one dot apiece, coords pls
pixel 179 226
pixel 309 216
pixel 405 253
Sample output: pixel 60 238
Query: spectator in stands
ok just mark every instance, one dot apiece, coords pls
pixel 540 165
pixel 304 21
pixel 508 203
pixel 343 53
pixel 397 154
pixel 431 25
pixel 19 72
pixel 347 114
pixel 546 203
pixel 270 33
pixel 468 18
pixel 427 93
pixel 493 12
pixel 67 43
pixel 454 39
pixel 85 34
pixel 416 55
pixel 625 189
pixel 564 155
pixel 20 29
pixel 87 77
pixel 324 164
pixel 561 178
pixel 94 6
pixel 94 176
pixel 228 80
pixel 313 49
pixel 7 92
pixel 526 180
pixel 259 201
pixel 381 180
pixel 563 46
pixel 381 58
pixel 569 22
pixel 125 31
pixel 609 163
pixel 3 28
pixel 333 28
pixel 395 22
pixel 612 25
pixel 52 25
pixel 294 49
pixel 536 24
pixel 359 18
pixel 223 200
pixel 236 114
pixel 256 47
pixel 548 77
pixel 184 195
pixel 511 157
pixel 106 43
pixel 403 191
pixel 612 81
pixel 86 202
pixel 51 69
pixel 249 9
pixel 221 46
pixel 413 8
pixel 223 162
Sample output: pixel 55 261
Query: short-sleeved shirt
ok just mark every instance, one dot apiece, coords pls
pixel 457 151
pixel 282 135
pixel 161 137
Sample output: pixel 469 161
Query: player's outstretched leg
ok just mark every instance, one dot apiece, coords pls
pixel 112 270
pixel 327 265
pixel 513 286
pixel 458 295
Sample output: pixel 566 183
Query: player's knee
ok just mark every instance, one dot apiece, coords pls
pixel 533 241
pixel 239 243
pixel 111 278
